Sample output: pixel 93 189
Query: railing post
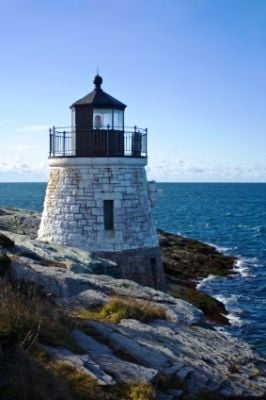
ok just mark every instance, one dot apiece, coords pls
pixel 71 142
pixel 54 142
pixel 64 143
pixel 107 140
pixel 146 142
pixel 133 142
pixel 50 142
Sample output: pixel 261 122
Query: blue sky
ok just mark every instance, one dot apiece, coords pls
pixel 192 71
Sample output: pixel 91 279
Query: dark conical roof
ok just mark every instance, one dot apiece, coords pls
pixel 99 98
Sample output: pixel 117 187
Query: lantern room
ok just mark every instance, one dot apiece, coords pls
pixel 98 110
pixel 98 129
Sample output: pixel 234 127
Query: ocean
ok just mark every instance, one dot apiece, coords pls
pixel 230 216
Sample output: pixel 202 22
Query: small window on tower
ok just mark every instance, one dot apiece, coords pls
pixel 98 121
pixel 108 206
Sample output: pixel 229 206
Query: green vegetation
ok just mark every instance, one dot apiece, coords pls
pixel 117 309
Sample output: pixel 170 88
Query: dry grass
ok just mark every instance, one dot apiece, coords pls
pixel 80 384
pixel 85 387
pixel 28 317
pixel 5 264
pixel 141 392
pixel 117 309
pixel 26 379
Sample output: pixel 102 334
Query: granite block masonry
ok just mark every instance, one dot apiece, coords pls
pixel 74 213
pixel 97 197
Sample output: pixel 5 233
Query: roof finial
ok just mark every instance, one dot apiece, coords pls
pixel 98 80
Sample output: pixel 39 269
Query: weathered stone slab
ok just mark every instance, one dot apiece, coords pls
pixel 83 363
pixel 123 371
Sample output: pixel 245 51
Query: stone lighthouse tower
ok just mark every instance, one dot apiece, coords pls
pixel 97 197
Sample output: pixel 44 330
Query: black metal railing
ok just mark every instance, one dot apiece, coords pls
pixel 103 142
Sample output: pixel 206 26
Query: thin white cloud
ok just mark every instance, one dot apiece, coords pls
pixel 180 170
pixel 33 128
pixel 21 168
pixel 170 170
pixel 23 147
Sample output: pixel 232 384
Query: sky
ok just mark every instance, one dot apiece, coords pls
pixel 192 71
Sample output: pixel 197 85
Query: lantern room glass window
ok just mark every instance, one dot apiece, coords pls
pixel 118 120
pixel 73 118
pixel 104 118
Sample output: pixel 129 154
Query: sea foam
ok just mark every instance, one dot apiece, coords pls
pixel 204 281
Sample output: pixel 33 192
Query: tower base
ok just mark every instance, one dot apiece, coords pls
pixel 142 265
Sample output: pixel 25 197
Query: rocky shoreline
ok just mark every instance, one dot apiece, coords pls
pixel 177 351
pixel 186 261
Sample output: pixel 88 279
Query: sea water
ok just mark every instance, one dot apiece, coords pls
pixel 230 216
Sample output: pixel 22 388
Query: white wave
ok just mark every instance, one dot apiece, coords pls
pixel 258 228
pixel 220 249
pixel 231 300
pixel 235 312
pixel 222 330
pixel 241 268
pixel 251 260
pixel 257 265
pixel 242 264
pixel 234 319
pixel 202 283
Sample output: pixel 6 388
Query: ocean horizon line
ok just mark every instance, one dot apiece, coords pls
pixel 153 180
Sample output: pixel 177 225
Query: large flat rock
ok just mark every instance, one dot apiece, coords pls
pixel 123 371
pixel 64 257
pixel 182 348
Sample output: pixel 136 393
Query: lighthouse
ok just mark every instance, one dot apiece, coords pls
pixel 97 197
